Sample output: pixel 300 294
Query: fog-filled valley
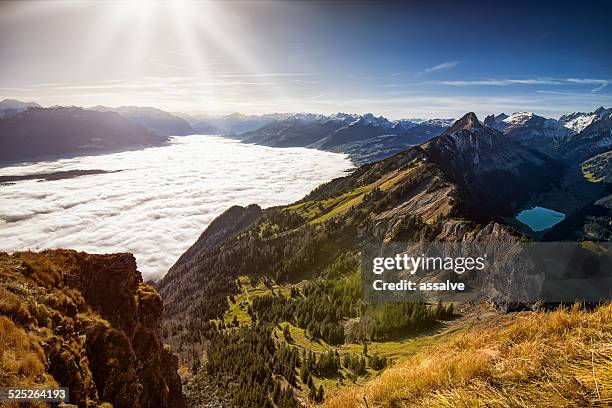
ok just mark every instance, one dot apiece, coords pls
pixel 153 202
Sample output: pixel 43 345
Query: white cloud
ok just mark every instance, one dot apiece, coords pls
pixel 588 81
pixel 602 83
pixel 160 202
pixel 599 88
pixel 522 81
pixel 262 75
pixel 442 67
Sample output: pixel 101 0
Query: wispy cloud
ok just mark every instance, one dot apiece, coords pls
pixel 442 67
pixel 599 88
pixel 15 90
pixel 48 84
pixel 589 95
pixel 588 81
pixel 262 75
pixel 496 82
pixel 323 95
pixel 602 83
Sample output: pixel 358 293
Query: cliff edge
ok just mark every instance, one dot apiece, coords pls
pixel 86 322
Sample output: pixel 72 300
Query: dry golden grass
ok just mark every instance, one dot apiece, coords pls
pixel 545 359
pixel 44 271
pixel 10 305
pixel 21 357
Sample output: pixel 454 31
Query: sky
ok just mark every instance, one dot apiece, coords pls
pixel 398 59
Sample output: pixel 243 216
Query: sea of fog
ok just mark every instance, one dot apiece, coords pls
pixel 160 201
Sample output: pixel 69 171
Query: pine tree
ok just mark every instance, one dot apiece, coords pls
pixel 439 310
pixel 449 311
pixel 287 334
pixel 312 394
pixel 305 371
pixel 320 394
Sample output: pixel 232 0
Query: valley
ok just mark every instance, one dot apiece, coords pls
pixel 152 202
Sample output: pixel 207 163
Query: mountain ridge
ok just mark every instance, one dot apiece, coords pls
pixel 364 138
pixel 42 132
pixel 153 119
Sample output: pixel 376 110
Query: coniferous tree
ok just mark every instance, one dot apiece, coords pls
pixel 320 394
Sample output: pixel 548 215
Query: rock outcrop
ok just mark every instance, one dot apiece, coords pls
pixel 96 324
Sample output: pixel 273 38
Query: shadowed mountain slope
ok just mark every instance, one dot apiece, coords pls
pixel 43 132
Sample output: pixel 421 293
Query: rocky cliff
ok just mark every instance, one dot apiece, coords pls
pixel 86 322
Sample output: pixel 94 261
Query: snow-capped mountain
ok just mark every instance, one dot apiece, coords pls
pixel 575 136
pixel 11 107
pixel 307 117
pixel 433 122
pixel 577 121
pixel 594 139
pixel 529 124
pixel 15 104
pixel 496 122
pixel 232 124
pixel 531 130
pixel 485 163
pixel 365 137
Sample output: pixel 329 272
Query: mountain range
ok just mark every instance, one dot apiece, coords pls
pixel 266 308
pixel 464 185
pixel 563 138
pixel 232 124
pixel 365 138
pixel 153 119
pixel 36 133
pixel 470 178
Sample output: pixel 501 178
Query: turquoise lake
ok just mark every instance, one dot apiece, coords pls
pixel 540 218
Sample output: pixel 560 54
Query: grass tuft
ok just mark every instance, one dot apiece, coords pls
pixel 546 359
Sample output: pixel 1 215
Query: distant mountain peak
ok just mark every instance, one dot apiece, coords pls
pixel 17 105
pixel 371 120
pixel 599 110
pixel 469 121
pixel 578 121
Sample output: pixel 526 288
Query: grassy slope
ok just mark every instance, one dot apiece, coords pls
pixel 318 211
pixel 545 359
pixel 22 360
pixel 598 168
pixel 394 350
pixel 248 292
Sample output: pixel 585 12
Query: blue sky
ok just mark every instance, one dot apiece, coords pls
pixel 398 59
